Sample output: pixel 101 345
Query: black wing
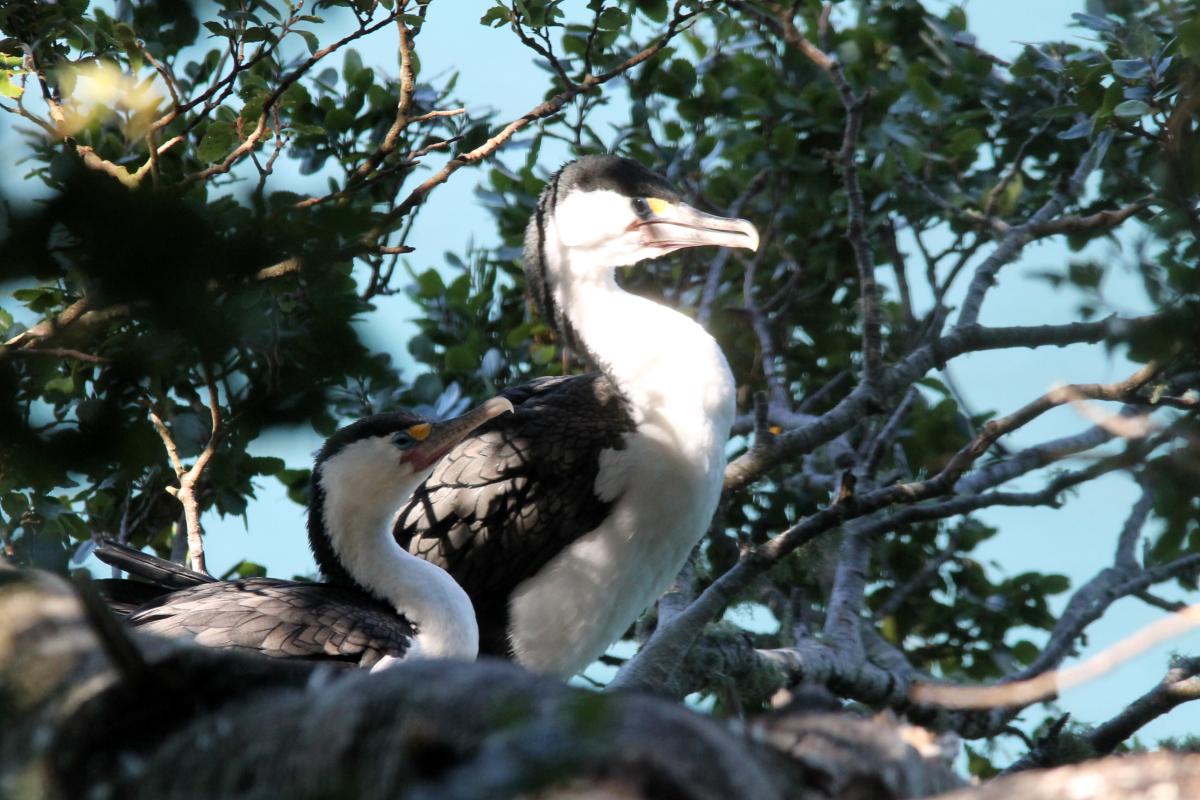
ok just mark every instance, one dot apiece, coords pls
pixel 519 490
pixel 159 571
pixel 282 619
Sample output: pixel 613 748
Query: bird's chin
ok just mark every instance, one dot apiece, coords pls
pixel 425 464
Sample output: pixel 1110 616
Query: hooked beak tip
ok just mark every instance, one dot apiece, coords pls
pixel 497 406
pixel 751 233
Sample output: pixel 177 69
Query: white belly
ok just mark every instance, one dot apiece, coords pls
pixel 586 597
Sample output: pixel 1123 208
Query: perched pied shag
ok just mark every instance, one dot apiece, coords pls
pixel 565 519
pixel 379 603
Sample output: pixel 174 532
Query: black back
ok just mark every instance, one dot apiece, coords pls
pixel 516 492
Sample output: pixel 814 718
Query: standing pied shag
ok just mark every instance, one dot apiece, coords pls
pixel 379 602
pixel 565 519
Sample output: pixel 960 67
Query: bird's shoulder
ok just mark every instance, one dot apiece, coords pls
pixel 521 487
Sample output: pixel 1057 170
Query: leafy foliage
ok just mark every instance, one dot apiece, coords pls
pixel 172 254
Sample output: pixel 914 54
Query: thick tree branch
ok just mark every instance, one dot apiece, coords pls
pixel 661 655
pixel 1180 685
pixel 851 409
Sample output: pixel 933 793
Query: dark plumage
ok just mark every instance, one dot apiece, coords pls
pixel 519 490
pixel 362 474
pixel 282 619
pixel 565 519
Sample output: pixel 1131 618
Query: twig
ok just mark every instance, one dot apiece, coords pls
pixel 190 477
pixel 540 111
pixel 1016 239
pixel 850 410
pixel 847 156
pixel 254 136
pixel 712 282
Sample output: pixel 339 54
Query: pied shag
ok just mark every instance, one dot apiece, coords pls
pixel 378 603
pixel 565 519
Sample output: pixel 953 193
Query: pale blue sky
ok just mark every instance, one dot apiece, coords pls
pixel 495 71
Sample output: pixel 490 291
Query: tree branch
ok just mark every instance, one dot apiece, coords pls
pixel 189 477
pixel 540 111
pixel 1014 242
pixel 1180 685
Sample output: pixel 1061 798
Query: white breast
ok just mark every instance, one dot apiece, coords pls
pixel 667 482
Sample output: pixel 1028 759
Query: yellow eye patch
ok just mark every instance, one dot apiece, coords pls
pixel 420 431
pixel 657 204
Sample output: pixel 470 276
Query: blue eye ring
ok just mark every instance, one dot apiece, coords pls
pixel 403 440
pixel 640 207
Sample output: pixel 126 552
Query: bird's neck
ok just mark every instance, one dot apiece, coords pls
pixel 353 507
pixel 662 362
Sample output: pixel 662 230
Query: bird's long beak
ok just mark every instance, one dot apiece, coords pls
pixel 447 433
pixel 673 226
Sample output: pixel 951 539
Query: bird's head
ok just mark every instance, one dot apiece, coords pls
pixel 612 212
pixel 397 450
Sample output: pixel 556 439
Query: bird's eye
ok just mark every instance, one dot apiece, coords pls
pixel 641 207
pixel 403 440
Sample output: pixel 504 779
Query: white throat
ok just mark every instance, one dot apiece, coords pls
pixel 663 362
pixel 362 494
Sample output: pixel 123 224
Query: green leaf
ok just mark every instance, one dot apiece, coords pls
pixel 1080 130
pixel 1055 584
pixel 218 140
pixel 244 569
pixel 258 34
pixel 1131 109
pixel 496 17
pixel 14 504
pixel 310 41
pixel 63 383
pixel 9 87
pixel 656 10
pixel 1093 22
pixel 1131 68
pixel 351 65
pixel 430 285
pixel 613 19
pixel 422 348
pixel 461 358
pixel 266 465
pixel 323 423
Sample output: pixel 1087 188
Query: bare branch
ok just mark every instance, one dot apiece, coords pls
pixel 661 655
pixel 1016 239
pixel 851 409
pixel 189 477
pixel 1180 685
pixel 712 282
